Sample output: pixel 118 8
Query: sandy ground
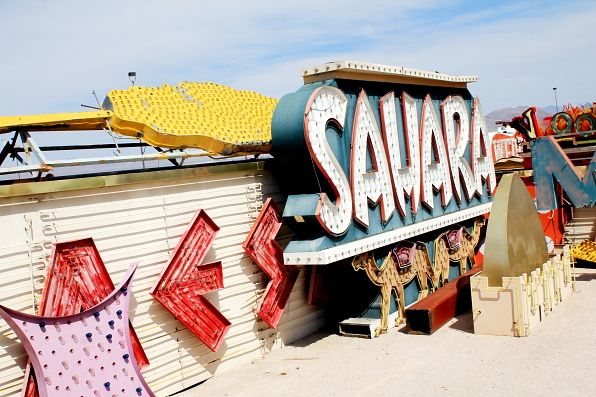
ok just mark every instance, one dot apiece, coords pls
pixel 558 359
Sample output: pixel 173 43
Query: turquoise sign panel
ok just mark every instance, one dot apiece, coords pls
pixel 361 161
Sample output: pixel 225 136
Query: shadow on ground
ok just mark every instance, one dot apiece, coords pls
pixel 314 338
pixel 584 276
pixel 463 323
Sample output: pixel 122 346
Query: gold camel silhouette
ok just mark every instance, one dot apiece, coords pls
pixel 391 278
pixel 392 275
pixel 444 252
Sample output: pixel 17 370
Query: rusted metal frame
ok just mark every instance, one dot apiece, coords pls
pixel 125 159
pixel 25 168
pixel 6 150
pixel 13 150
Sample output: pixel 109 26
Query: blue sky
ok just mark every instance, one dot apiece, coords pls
pixel 54 54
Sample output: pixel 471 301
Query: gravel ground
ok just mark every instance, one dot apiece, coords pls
pixel 558 359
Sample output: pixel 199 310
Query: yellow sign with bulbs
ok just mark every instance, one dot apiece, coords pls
pixel 212 117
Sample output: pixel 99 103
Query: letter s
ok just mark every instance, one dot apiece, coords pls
pixel 328 105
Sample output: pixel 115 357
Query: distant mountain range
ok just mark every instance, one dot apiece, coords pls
pixel 506 114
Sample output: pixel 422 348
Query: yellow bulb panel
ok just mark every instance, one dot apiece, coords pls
pixel 56 122
pixel 209 116
pixel 585 251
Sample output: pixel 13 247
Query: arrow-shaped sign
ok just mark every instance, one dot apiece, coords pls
pixel 261 246
pixel 77 279
pixel 185 279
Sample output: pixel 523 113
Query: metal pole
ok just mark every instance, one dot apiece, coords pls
pixel 556 102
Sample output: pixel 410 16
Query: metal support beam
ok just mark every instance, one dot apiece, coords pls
pixel 87 147
pixel 9 148
pixel 51 164
pixel 28 140
pixel 173 161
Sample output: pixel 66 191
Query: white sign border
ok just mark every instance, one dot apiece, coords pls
pixel 334 254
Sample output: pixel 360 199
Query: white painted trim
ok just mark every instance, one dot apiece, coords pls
pixel 353 248
pixel 373 68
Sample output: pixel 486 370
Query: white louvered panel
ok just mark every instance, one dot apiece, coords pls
pixel 296 317
pixel 169 373
pixel 101 229
pixel 14 254
pixel 12 355
pixel 209 200
pixel 11 383
pixel 15 292
pixel 143 223
pixel 247 328
pixel 303 327
pixel 119 212
pixel 229 227
pixel 15 268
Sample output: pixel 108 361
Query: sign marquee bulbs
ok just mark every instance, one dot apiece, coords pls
pixel 435 155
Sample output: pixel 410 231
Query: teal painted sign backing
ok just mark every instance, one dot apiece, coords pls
pixel 304 183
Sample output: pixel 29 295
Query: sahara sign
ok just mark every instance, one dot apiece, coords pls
pixel 386 161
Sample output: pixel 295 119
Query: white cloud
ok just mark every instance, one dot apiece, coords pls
pixel 53 54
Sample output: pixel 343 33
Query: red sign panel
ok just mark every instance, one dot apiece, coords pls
pixel 261 246
pixel 77 280
pixel 186 279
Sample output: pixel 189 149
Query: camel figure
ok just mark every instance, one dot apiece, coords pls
pixel 458 249
pixel 391 278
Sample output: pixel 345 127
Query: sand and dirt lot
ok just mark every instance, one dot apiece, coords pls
pixel 558 359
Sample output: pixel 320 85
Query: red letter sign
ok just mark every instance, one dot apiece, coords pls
pixel 185 279
pixel 261 246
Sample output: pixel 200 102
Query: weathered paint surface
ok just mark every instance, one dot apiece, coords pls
pixel 369 164
pixel 76 355
pixel 553 221
pixel 261 246
pixel 183 282
pixel 515 241
pixel 76 280
pixel 550 162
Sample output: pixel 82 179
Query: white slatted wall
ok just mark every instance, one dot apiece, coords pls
pixel 143 223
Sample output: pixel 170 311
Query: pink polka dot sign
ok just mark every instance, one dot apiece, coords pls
pixel 86 354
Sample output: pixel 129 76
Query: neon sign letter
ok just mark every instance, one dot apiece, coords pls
pixel 327 105
pixel 435 173
pixel 482 162
pixel 405 179
pixel 375 185
pixel 456 127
